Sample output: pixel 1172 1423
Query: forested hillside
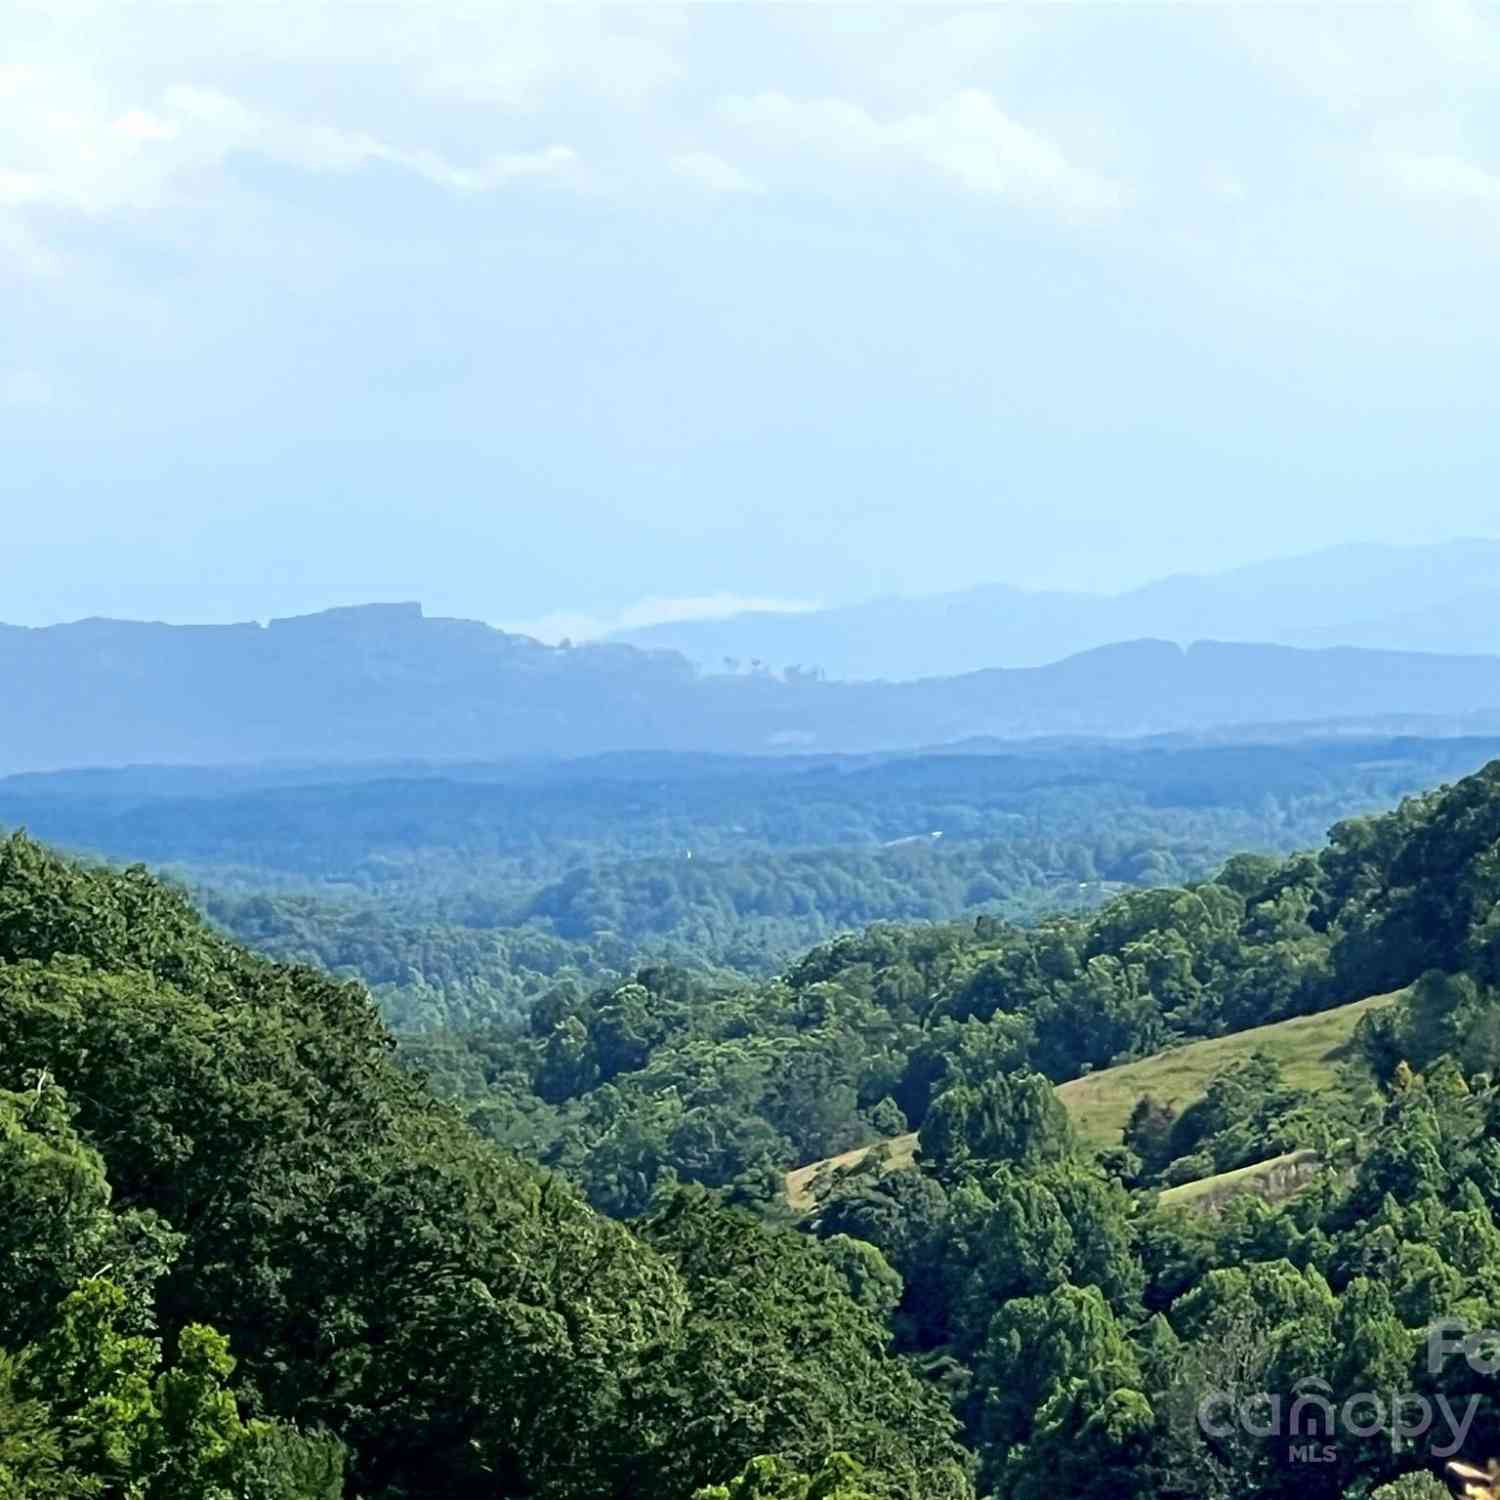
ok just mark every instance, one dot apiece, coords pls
pixel 250 1255
pixel 666 1076
pixel 245 1254
pixel 462 894
pixel 1076 1320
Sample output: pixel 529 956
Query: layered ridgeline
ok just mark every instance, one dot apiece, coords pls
pixel 245 1254
pixel 381 681
pixel 1443 598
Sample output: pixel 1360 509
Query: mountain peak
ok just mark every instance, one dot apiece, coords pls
pixel 353 617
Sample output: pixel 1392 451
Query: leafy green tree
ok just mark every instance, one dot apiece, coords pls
pixel 31 1445
pixel 1015 1118
pixel 1406 1160
pixel 1091 1440
pixel 1033 1348
pixel 54 1208
pixel 771 1479
pixel 1148 1133
pixel 770 1357
pixel 1008 1238
pixel 88 1412
pixel 887 1119
pixel 866 1274
pixel 1419 1485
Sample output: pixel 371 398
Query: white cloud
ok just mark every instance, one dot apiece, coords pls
pixel 140 126
pixel 1443 179
pixel 713 172
pixel 71 145
pixel 579 626
pixel 229 125
pixel 967 139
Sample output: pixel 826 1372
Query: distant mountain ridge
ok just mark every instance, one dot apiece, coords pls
pixel 385 681
pixel 1442 598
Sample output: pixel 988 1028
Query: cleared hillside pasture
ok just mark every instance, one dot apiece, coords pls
pixel 803 1184
pixel 1309 1049
pixel 1274 1179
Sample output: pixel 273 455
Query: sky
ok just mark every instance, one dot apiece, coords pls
pixel 567 318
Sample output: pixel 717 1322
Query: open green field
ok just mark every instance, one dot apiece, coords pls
pixel 1309 1049
pixel 799 1183
pixel 1277 1178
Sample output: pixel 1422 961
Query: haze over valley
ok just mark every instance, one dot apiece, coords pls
pixel 749 752
pixel 1443 599
pixel 377 681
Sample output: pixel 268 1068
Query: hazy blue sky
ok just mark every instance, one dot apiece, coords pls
pixel 533 312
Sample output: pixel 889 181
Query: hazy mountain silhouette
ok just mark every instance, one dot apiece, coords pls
pixel 385 681
pixel 1442 598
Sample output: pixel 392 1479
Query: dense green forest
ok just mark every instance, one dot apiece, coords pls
pixel 244 1254
pixel 247 1253
pixel 462 894
pixel 665 1077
